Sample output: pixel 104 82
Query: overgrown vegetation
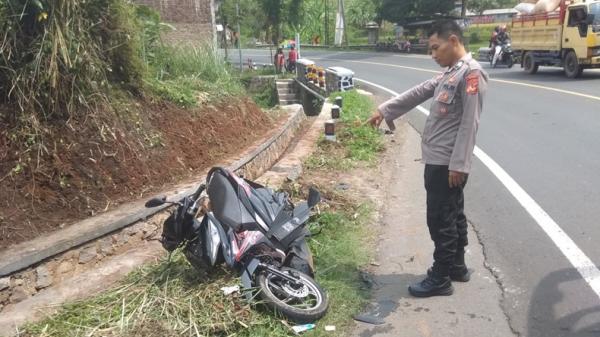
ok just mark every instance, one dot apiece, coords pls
pixel 263 92
pixel 356 142
pixel 56 56
pixel 266 97
pixel 189 75
pixel 59 58
pixel 186 75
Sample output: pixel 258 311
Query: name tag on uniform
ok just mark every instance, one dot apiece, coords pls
pixel 449 87
pixel 443 97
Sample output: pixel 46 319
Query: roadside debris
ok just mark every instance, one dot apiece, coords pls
pixel 230 290
pixel 330 328
pixel 370 319
pixel 302 328
pixel 342 187
pixel 367 278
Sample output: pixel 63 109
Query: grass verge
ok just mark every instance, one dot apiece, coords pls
pixel 356 143
pixel 172 299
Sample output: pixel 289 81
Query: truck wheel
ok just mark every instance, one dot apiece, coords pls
pixel 572 67
pixel 529 64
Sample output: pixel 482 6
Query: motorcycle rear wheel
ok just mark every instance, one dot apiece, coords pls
pixel 304 302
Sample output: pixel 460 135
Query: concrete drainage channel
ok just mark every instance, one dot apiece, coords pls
pixel 87 257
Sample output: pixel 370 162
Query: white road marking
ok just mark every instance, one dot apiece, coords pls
pixel 562 91
pixel 530 85
pixel 413 56
pixel 584 265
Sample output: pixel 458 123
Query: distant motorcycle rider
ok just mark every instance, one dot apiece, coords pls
pixel 494 37
pixel 503 36
pixel 500 39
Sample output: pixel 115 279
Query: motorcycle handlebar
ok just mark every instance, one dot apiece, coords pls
pixel 199 191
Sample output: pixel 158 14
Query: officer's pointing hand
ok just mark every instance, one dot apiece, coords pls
pixel 455 179
pixel 375 119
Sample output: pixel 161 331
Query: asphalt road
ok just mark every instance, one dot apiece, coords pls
pixel 544 131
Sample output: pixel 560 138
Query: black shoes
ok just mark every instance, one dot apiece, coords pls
pixel 432 285
pixel 435 285
pixel 457 274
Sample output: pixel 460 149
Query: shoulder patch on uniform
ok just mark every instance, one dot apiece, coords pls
pixel 472 82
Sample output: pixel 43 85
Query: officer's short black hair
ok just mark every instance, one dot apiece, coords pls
pixel 445 28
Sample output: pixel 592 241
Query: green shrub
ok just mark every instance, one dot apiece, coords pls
pixel 58 55
pixel 267 97
pixel 362 141
pixel 474 37
pixel 191 70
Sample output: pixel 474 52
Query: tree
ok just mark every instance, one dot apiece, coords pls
pixel 478 6
pixel 360 12
pixel 401 10
pixel 312 20
pixel 507 3
pixel 252 18
pixel 280 12
pixel 258 16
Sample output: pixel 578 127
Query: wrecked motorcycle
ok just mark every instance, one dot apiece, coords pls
pixel 255 231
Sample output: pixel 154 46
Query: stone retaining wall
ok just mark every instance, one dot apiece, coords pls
pixel 24 284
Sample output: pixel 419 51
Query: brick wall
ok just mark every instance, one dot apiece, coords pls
pixel 192 19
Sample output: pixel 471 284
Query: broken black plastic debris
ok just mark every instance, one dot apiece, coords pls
pixel 370 319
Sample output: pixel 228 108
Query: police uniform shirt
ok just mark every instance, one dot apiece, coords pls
pixel 451 127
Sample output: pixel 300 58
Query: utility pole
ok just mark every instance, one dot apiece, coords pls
pixel 341 37
pixel 343 10
pixel 326 22
pixel 239 37
pixel 225 33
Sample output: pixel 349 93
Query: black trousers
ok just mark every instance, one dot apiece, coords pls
pixel 446 219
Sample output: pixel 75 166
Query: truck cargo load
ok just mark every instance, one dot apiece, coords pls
pixel 568 37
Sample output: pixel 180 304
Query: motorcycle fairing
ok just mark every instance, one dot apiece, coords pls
pixel 216 238
pixel 247 278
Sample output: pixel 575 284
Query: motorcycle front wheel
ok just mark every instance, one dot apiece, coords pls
pixel 302 302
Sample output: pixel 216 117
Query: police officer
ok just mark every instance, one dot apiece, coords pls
pixel 447 147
